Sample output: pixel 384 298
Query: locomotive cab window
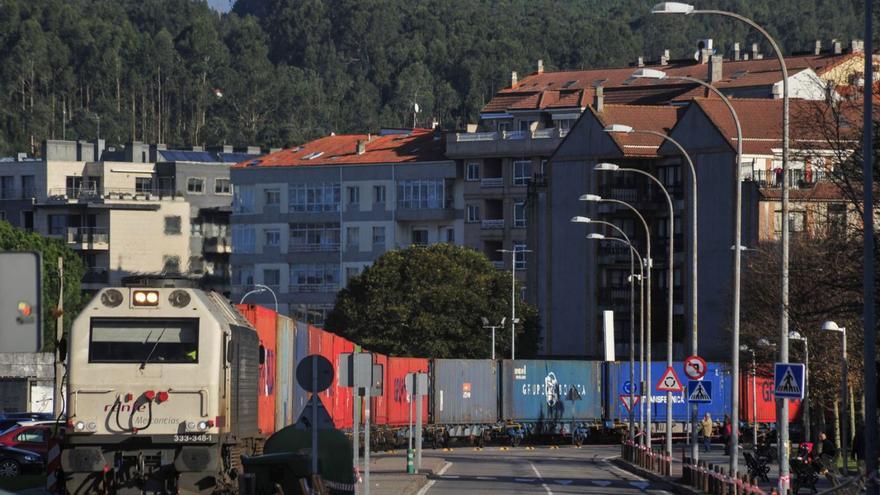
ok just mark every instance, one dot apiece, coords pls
pixel 144 340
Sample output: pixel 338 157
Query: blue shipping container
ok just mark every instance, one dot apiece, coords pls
pixel 619 385
pixel 549 391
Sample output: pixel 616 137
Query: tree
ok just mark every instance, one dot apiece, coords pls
pixel 14 239
pixel 429 301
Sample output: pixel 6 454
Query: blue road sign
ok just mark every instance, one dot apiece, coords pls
pixel 699 391
pixel 628 388
pixel 788 380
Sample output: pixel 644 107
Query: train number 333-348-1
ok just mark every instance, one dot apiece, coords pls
pixel 193 438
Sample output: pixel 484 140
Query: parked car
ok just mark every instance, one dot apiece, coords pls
pixel 8 420
pixel 14 461
pixel 33 437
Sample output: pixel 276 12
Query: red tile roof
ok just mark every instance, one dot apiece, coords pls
pixel 644 118
pixel 575 88
pixel 418 145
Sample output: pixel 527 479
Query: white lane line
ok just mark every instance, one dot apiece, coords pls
pixel 540 478
pixel 430 483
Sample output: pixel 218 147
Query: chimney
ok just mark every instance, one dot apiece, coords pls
pixel 640 62
pixel 664 58
pixel 715 73
pixel 705 49
pixel 361 146
pixel 756 53
pixel 857 46
pixel 540 66
pixel 837 47
pixel 513 79
pixel 817 47
pixel 736 54
pixel 598 99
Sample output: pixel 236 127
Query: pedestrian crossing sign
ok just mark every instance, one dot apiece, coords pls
pixel 699 392
pixel 788 380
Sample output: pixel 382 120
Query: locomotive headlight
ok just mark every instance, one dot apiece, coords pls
pixel 203 425
pixel 79 426
pixel 145 297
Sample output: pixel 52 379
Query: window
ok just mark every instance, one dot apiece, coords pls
pixel 195 185
pixel 796 221
pixel 311 314
pixel 243 199
pixel 7 189
pixel 196 264
pixel 450 235
pixel 420 237
pixel 473 213
pixel 314 278
pixel 837 219
pixel 144 340
pixel 422 194
pixel 352 237
pixel 57 224
pixel 272 277
pixel 521 172
pixel 314 237
pixel 519 215
pixel 273 238
pixel 195 229
pixel 314 197
pixel 28 190
pixel 3 215
pixel 519 255
pixel 273 197
pixel 32 435
pixel 222 186
pixel 473 171
pixel 172 225
pixel 170 264
pixel 543 170
pixel 378 194
pixel 353 194
pixel 670 176
pixel 379 236
pixel 243 275
pixel 504 126
pixel 143 184
pixel 351 272
pixel 243 238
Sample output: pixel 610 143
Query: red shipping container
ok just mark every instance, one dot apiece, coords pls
pixel 336 399
pixel 397 403
pixel 264 321
pixel 763 398
pixel 379 409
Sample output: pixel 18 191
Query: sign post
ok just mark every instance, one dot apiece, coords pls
pixel 346 366
pixel 314 374
pixel 421 390
pixel 788 380
pixel 362 376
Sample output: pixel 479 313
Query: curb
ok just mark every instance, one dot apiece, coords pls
pixel 656 478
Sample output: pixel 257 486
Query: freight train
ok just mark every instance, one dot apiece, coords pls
pixel 169 385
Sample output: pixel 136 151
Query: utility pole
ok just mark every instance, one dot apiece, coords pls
pixel 513 319
pixel 58 399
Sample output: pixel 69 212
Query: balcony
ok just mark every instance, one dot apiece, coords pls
pixel 798 178
pixel 499 264
pixel 492 182
pixel 444 211
pixel 313 248
pixel 504 143
pixel 217 245
pixel 314 287
pixel 96 275
pixel 101 194
pixel 492 224
pixel 89 238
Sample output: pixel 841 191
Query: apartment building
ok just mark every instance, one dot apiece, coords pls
pixel 306 220
pixel 127 211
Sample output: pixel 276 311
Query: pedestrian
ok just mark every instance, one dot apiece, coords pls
pixel 828 447
pixel 727 433
pixel 858 443
pixel 706 427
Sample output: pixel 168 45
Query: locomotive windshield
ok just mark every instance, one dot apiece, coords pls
pixel 144 340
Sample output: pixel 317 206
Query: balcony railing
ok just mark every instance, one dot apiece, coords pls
pixel 492 182
pixel 515 134
pixel 476 136
pixel 96 275
pixel 102 193
pixel 796 178
pixel 17 193
pixel 313 248
pixel 624 194
pixel 546 133
pixel 492 224
pixel 314 288
pixel 499 264
pixel 217 245
pixel 88 235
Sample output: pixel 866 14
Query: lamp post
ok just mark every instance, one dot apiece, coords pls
pixel 513 319
pixel 646 348
pixel 683 8
pixel 625 129
pixel 633 253
pixel 610 167
pixel 831 326
pixel 746 348
pixel 260 288
pixel 493 327
pixel 794 335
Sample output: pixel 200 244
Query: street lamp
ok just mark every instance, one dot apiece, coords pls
pixel 830 326
pixel 260 288
pixel 493 327
pixel 625 129
pixel 737 256
pixel 746 348
pixel 687 9
pixel 513 319
pixel 795 335
pixel 632 305
pixel 646 344
pixel 610 167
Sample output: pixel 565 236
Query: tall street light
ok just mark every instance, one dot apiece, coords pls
pixel 625 129
pixel 513 319
pixel 737 256
pixel 610 167
pixel 746 348
pixel 831 326
pixel 632 307
pixel 486 324
pixel 260 288
pixel 646 282
pixel 795 335
pixel 686 9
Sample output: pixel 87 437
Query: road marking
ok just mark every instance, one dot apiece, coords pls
pixel 563 482
pixel 444 468
pixel 449 477
pixel 641 485
pixel 540 478
pixel 601 483
pixel 430 483
pixel 524 480
pixel 486 478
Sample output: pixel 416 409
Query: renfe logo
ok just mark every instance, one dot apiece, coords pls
pixel 123 407
pixel 466 390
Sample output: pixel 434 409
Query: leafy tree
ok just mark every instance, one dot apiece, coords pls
pixel 14 239
pixel 430 301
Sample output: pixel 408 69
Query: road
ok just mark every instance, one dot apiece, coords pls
pixel 541 471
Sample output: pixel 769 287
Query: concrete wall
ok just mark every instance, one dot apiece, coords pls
pixel 28 381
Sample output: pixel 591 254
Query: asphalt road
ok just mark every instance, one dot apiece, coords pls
pixel 541 471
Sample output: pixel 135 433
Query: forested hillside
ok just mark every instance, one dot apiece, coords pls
pixel 278 72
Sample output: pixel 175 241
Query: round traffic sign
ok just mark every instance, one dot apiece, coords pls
pixel 324 375
pixel 695 367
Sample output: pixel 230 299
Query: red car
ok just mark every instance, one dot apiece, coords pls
pixel 34 437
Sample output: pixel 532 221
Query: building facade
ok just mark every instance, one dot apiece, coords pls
pixel 306 220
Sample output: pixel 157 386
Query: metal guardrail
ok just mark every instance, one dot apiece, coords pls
pixel 88 235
